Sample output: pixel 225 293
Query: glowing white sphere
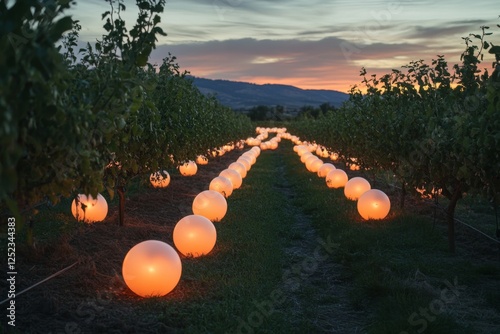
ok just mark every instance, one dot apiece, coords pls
pixel 314 165
pixel 374 204
pixel 325 169
pixel 201 160
pixel 356 187
pixel 250 155
pixel 257 151
pixel 194 236
pixel 234 176
pixel 90 210
pixel 239 167
pixel 240 144
pixel 354 167
pixel 303 150
pixel 188 169
pixel 160 179
pixel 310 159
pixel 210 204
pixel 245 161
pixel 222 185
pixel 336 178
pixel 152 268
pixel 306 156
pixel 322 152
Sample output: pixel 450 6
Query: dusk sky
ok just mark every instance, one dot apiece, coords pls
pixel 309 44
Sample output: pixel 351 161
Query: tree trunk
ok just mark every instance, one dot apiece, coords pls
pixel 450 210
pixel 121 207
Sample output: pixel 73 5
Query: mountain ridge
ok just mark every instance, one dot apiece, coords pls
pixel 241 95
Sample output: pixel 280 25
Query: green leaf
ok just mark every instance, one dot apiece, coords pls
pixel 144 5
pixel 494 49
pixel 61 26
pixel 141 60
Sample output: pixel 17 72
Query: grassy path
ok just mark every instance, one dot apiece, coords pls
pixel 399 275
pixel 292 256
pixel 270 271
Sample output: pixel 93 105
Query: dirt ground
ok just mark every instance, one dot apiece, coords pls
pixel 91 297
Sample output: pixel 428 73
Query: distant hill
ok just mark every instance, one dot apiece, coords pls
pixel 244 95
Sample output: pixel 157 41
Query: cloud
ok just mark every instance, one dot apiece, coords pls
pixel 445 30
pixel 314 44
pixel 307 64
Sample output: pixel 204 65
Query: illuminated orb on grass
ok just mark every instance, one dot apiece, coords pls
pixel 354 167
pixel 356 187
pixel 90 210
pixel 256 151
pixel 314 165
pixel 194 235
pixel 240 145
pixel 188 169
pixel 325 169
pixel 251 156
pixel 374 204
pixel 303 149
pixel 245 161
pixel 336 178
pixel 322 152
pixel 233 176
pixel 152 268
pixel 160 179
pixel 201 160
pixel 210 204
pixel 310 159
pixel 239 167
pixel 305 156
pixel 222 185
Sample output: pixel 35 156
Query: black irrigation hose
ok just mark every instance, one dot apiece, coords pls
pixel 471 227
pixel 42 281
pixel 436 205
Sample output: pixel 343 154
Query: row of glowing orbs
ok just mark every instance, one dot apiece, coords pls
pixel 212 206
pixel 92 210
pixel 372 203
pixel 272 130
pixel 161 179
pixel 263 134
pixel 153 268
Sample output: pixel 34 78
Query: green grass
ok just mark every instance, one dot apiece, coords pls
pixel 388 273
pixel 396 266
pixel 244 268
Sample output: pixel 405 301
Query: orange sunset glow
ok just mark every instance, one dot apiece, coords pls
pixel 311 45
